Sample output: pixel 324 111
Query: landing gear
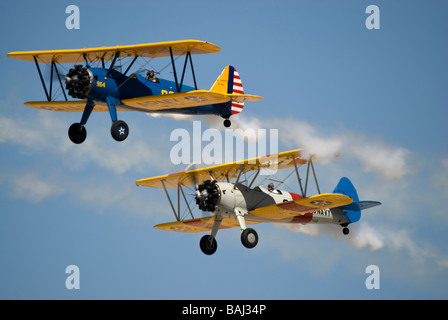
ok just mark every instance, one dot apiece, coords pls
pixel 119 130
pixel 249 238
pixel 345 231
pixel 227 123
pixel 77 133
pixel 208 245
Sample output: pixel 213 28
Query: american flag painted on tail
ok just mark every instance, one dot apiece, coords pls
pixel 236 88
pixel 229 83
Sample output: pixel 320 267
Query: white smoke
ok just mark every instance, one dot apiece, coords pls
pixel 362 234
pixel 176 117
pixel 389 162
pixel 375 156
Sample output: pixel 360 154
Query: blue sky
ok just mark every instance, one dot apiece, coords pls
pixel 377 96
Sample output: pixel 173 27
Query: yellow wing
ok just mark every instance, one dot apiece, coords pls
pixel 301 206
pixel 150 50
pixel 274 212
pixel 184 100
pixel 227 171
pixel 199 225
pixel 69 106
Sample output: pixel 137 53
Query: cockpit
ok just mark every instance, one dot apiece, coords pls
pixel 149 75
pixel 268 189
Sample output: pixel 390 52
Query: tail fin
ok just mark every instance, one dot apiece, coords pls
pixel 230 82
pixel 353 210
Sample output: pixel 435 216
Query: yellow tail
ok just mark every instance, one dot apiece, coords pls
pixel 230 82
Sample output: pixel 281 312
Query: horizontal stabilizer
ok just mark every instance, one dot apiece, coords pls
pixel 361 205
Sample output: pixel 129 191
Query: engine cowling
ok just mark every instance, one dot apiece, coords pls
pixel 208 195
pixel 79 82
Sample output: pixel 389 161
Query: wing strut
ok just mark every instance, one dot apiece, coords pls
pixel 298 176
pixel 239 175
pixel 117 54
pixel 179 191
pixel 129 67
pixel 310 164
pixel 169 199
pixel 187 59
pixel 53 66
pixel 42 79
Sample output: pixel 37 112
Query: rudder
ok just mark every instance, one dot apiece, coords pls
pixel 346 187
pixel 230 82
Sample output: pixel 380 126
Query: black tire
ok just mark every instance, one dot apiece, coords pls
pixel 249 238
pixel 119 130
pixel 206 247
pixel 227 123
pixel 345 231
pixel 77 133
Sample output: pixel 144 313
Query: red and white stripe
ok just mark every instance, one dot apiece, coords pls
pixel 237 89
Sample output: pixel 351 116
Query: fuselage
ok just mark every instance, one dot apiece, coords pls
pixel 117 85
pixel 243 198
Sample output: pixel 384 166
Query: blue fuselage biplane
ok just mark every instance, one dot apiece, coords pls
pixel 109 90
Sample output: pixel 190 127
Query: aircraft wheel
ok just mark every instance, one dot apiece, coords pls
pixel 345 231
pixel 77 133
pixel 249 238
pixel 227 123
pixel 119 130
pixel 207 247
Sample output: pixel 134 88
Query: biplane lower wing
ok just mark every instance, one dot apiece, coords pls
pixel 302 206
pixel 198 225
pixel 69 106
pixel 273 212
pixel 182 100
pixel 149 103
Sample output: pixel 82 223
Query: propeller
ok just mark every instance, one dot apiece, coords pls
pixel 207 193
pixel 79 81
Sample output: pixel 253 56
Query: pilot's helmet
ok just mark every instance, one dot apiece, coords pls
pixel 271 186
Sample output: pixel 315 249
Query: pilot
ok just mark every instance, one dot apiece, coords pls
pixel 271 188
pixel 150 76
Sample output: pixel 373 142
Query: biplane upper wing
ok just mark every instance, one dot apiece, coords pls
pixel 302 206
pixel 227 171
pixel 185 100
pixel 149 50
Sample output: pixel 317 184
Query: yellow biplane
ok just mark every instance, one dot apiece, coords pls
pixel 101 88
pixel 234 204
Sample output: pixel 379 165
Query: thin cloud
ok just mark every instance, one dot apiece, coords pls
pixel 39 135
pixel 31 187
